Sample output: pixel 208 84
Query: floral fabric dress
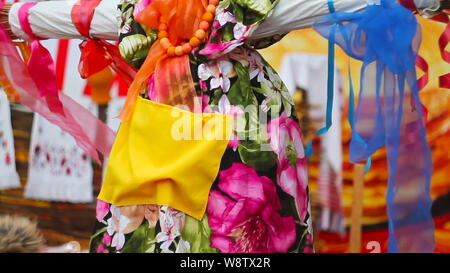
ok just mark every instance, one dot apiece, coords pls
pixel 259 202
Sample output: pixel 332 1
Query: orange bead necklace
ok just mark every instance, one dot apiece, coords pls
pixel 196 40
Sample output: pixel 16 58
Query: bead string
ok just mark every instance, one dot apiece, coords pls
pixel 196 40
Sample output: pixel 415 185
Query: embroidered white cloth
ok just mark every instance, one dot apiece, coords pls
pixel 9 178
pixel 307 71
pixel 58 169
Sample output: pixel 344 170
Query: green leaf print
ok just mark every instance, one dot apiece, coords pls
pixel 252 155
pixel 238 12
pixel 228 33
pixel 141 241
pixel 262 7
pixel 96 239
pixel 198 234
pixel 240 93
pixel 135 47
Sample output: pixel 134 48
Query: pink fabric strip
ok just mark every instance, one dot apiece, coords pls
pixel 40 65
pixel 24 11
pixel 37 87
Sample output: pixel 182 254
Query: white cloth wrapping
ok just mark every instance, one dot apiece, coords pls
pixel 307 71
pixel 290 15
pixel 51 19
pixel 58 169
pixel 9 178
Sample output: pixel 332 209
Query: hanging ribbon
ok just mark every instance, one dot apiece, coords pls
pixel 40 64
pixel 422 82
pixel 35 82
pixel 409 4
pixel 330 85
pixel 386 38
pixel 421 63
pixel 97 54
pixel 172 76
pixel 351 116
pixel 444 40
pixel 11 93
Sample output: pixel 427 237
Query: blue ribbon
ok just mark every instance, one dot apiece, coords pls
pixel 386 37
pixel 351 115
pixel 330 86
pixel 331 6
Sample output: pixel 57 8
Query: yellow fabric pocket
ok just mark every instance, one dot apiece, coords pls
pixel 167 156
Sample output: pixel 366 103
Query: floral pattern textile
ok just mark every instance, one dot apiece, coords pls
pixel 259 202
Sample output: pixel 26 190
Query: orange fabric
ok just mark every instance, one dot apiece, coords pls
pixel 101 83
pixel 12 94
pixel 175 85
pixel 173 79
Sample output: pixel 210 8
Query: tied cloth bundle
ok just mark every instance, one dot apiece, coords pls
pixel 171 75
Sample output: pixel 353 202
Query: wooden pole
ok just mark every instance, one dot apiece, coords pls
pixel 357 208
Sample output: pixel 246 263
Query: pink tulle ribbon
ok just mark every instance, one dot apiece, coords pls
pixel 37 86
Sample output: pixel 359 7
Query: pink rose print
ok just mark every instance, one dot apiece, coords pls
pixel 247 219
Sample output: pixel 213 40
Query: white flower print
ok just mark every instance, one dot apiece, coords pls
pixel 226 72
pixel 226 108
pixel 239 30
pixel 171 222
pixel 223 16
pixel 183 247
pixel 256 67
pixel 220 72
pixel 118 241
pixel 206 71
pixel 116 226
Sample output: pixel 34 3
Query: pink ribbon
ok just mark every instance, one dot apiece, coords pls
pixel 38 89
pixel 444 40
pixel 40 65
